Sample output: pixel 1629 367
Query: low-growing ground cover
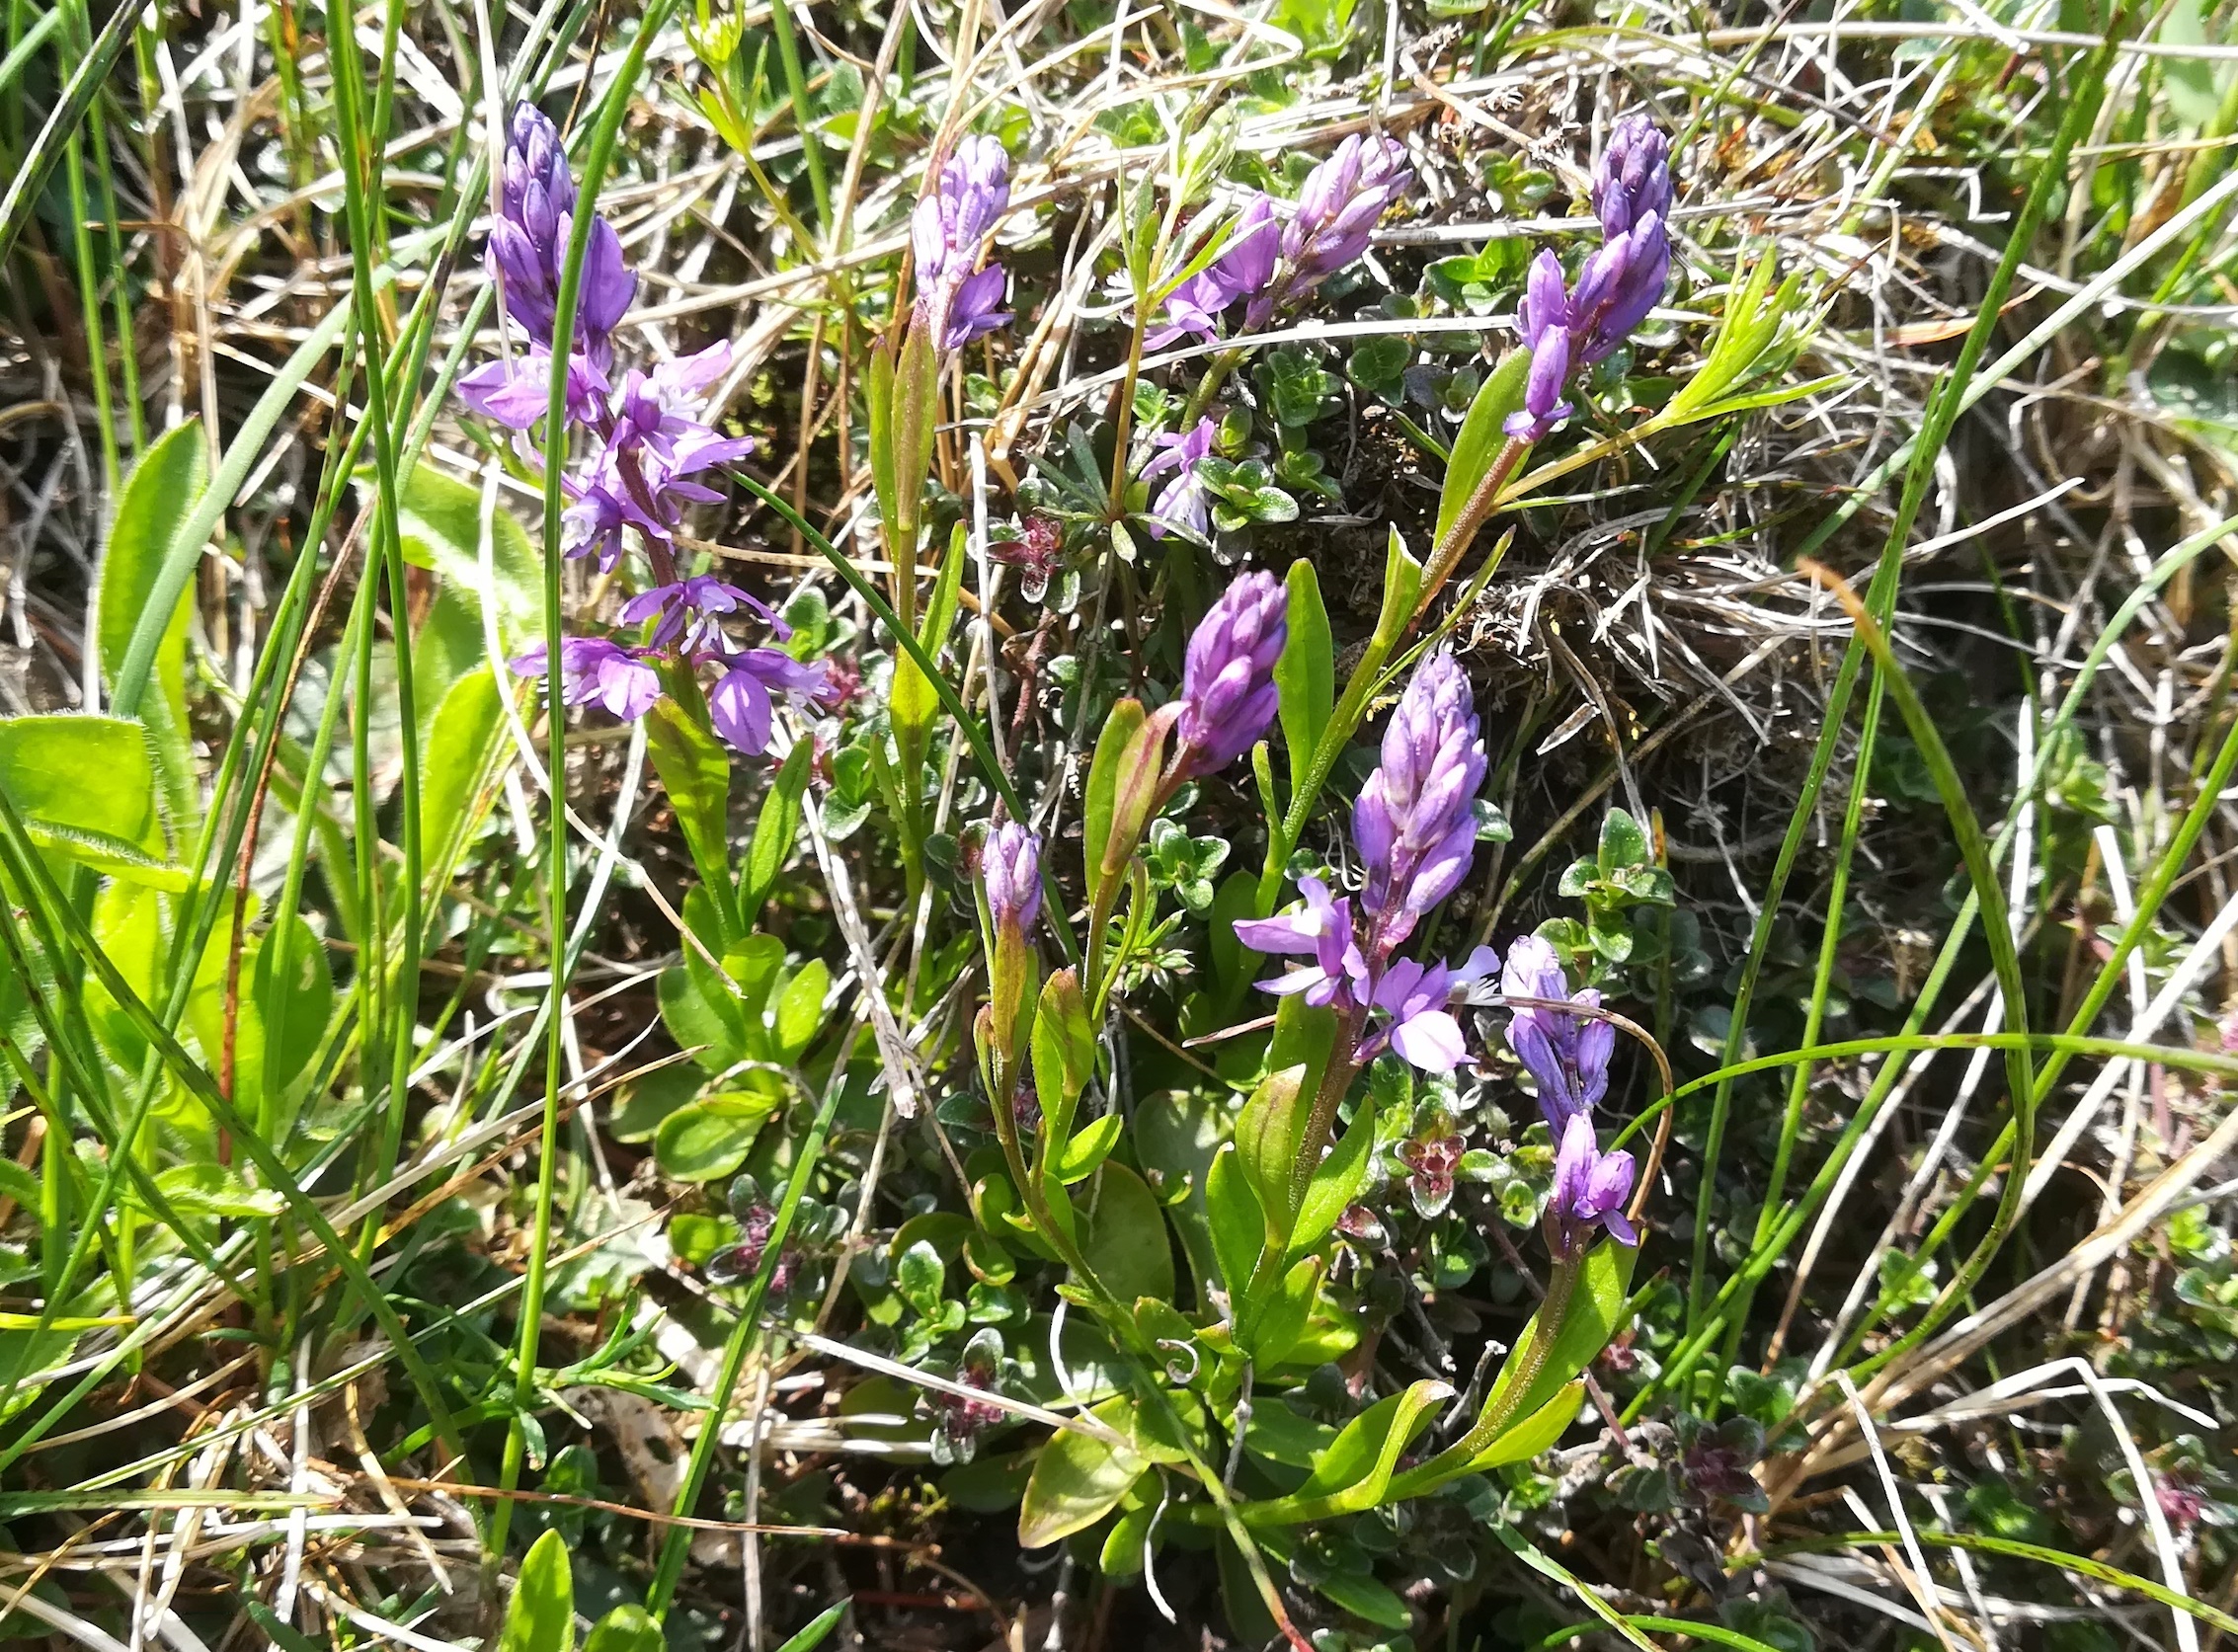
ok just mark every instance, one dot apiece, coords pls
pixel 1380 827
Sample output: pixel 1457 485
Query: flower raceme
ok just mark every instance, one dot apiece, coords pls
pixel 1566 1055
pixel 1271 260
pixel 646 441
pixel 1590 1188
pixel 1414 827
pixel 956 295
pixel 1415 822
pixel 1566 327
pixel 1228 694
pixel 1010 871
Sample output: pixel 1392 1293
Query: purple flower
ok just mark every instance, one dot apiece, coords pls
pixel 740 705
pixel 1342 202
pixel 1242 270
pixel 1543 318
pixel 946 233
pixel 1183 502
pixel 527 248
pixel 1568 1055
pixel 685 611
pixel 1620 284
pixel 1228 693
pixel 519 394
pixel 594 669
pixel 1590 1188
pixel 1420 1029
pixel 1634 178
pixel 1415 823
pixel 1321 932
pixel 1009 870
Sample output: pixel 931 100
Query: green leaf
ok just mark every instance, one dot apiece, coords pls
pixel 1279 1324
pixel 1352 1474
pixel 1305 673
pixel 287 998
pixel 1267 1135
pixel 159 495
pixel 1126 1241
pixel 697 770
pixel 2194 86
pixel 1481 436
pixel 1597 1310
pixel 814 1635
pixel 441 528
pixel 713 1030
pixel 1622 844
pixel 1536 1433
pixel 775 830
pixel 1063 1057
pixel 540 1617
pixel 462 744
pixel 86 773
pixel 626 1628
pixel 1090 1148
pixel 1238 1224
pixel 878 389
pixel 1363 1597
pixel 799 1012
pixel 1236 898
pixel 111 856
pixel 1076 1480
pixel 710 1137
pixel 913 702
pixel 209 1189
pixel 1122 787
pixel 1337 1180
pixel 1100 797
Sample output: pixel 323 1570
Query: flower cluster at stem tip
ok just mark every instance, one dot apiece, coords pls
pixel 1414 830
pixel 645 444
pixel 1564 327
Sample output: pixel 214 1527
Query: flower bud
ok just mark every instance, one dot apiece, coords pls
pixel 1415 824
pixel 1228 692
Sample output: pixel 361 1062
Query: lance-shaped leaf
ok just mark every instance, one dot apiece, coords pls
pixel 1481 439
pixel 1354 1473
pixel 1063 1059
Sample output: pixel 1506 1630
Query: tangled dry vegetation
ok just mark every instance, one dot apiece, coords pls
pixel 1881 1382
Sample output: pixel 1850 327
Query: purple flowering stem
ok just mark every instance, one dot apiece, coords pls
pixel 603 136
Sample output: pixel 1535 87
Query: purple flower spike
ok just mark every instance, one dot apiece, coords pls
pixel 528 244
pixel 1634 178
pixel 595 671
pixel 1590 1188
pixel 1228 692
pixel 1620 284
pixel 1342 202
pixel 947 231
pixel 1568 1055
pixel 740 703
pixel 1009 869
pixel 1183 502
pixel 1321 932
pixel 1543 318
pixel 1415 823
